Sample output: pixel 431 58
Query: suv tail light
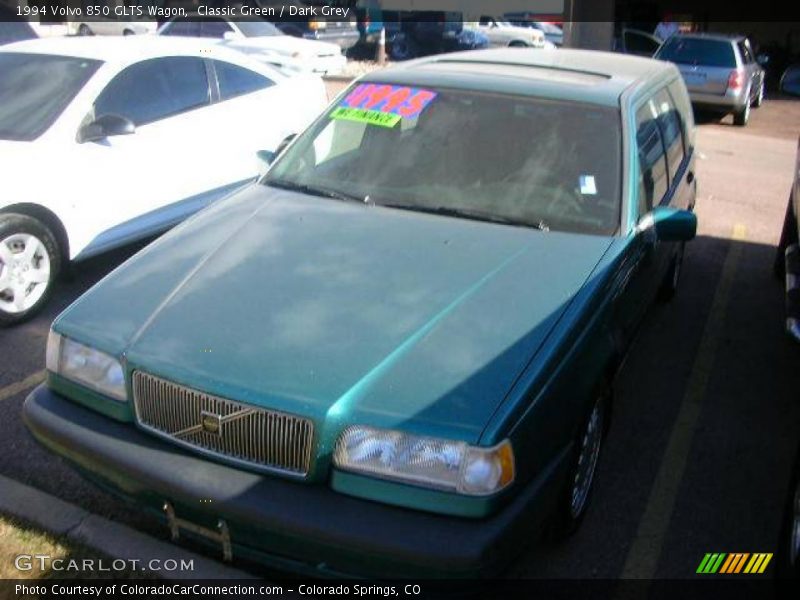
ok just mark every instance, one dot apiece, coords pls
pixel 735 81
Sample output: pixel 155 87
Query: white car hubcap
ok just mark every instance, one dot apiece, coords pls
pixel 24 272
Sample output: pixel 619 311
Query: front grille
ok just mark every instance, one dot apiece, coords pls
pixel 245 435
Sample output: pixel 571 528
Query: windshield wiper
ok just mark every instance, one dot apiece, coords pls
pixel 463 213
pixel 314 190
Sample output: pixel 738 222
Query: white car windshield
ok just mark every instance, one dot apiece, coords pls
pixel 36 88
pixel 481 155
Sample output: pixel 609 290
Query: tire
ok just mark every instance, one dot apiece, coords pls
pixel 127 32
pixel 742 116
pixel 84 30
pixel 26 281
pixel 517 44
pixel 788 237
pixel 759 100
pixel 576 495
pixel 672 279
pixel 788 554
pixel 402 48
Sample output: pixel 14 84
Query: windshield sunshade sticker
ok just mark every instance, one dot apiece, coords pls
pixel 383 105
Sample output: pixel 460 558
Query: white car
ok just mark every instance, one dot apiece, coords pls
pixel 111 26
pixel 107 140
pixel 501 33
pixel 262 41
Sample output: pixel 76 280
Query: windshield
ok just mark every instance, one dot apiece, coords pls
pixel 258 29
pixel 36 88
pixel 696 51
pixel 529 161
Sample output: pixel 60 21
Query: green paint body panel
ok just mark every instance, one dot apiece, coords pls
pixel 346 313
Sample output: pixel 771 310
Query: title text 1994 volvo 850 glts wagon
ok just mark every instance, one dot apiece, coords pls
pixel 393 355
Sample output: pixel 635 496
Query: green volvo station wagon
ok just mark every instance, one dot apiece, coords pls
pixel 393 355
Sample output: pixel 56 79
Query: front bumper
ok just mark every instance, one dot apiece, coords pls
pixel 293 526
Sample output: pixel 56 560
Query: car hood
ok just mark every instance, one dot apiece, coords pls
pixel 338 311
pixel 286 45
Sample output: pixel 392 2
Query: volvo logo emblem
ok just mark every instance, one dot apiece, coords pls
pixel 211 423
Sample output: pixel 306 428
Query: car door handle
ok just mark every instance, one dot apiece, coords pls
pixel 690 177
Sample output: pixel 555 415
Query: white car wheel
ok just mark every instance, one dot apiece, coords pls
pixel 29 262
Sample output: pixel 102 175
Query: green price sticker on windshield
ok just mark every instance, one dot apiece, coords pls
pixel 361 115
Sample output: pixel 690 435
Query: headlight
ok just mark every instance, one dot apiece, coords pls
pixel 436 463
pixel 91 368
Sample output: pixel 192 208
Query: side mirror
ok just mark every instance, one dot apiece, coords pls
pixel 105 126
pixel 229 36
pixel 672 224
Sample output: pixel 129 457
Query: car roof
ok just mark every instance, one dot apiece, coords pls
pixel 118 49
pixel 717 37
pixel 569 74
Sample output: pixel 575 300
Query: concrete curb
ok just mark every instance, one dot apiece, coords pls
pixel 113 539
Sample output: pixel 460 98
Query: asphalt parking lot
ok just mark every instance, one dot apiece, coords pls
pixel 707 412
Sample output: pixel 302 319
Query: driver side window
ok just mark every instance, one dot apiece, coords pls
pixel 155 89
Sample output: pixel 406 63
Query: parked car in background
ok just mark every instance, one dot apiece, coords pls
pixel 134 135
pixel 410 34
pixel 262 41
pixel 552 32
pixel 395 355
pixel 15 31
pixel 340 31
pixel 790 80
pixel 471 38
pixel 502 33
pixel 370 21
pixel 111 26
pixel 720 71
pixel 634 41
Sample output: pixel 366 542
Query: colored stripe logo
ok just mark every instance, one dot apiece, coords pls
pixel 734 563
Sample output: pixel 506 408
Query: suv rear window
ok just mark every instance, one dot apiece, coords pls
pixel 694 51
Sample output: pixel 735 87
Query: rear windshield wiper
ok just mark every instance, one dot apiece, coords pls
pixel 463 213
pixel 313 190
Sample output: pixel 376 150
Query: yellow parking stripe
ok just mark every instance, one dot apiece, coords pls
pixel 20 386
pixel 645 551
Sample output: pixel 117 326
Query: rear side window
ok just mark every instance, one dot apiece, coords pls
pixel 669 122
pixel 236 81
pixel 214 28
pixel 183 28
pixel 155 89
pixel 652 160
pixel 698 51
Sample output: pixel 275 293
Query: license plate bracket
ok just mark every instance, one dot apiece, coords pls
pixel 221 535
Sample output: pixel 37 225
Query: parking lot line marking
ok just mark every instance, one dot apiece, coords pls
pixel 645 551
pixel 20 386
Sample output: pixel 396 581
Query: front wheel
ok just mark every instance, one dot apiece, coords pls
pixel 402 48
pixel 577 493
pixel 30 261
pixel 84 30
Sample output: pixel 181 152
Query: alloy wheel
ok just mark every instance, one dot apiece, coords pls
pixel 587 460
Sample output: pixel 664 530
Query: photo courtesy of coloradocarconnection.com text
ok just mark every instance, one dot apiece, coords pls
pixel 404 299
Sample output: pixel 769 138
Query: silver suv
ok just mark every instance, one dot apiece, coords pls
pixel 720 71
